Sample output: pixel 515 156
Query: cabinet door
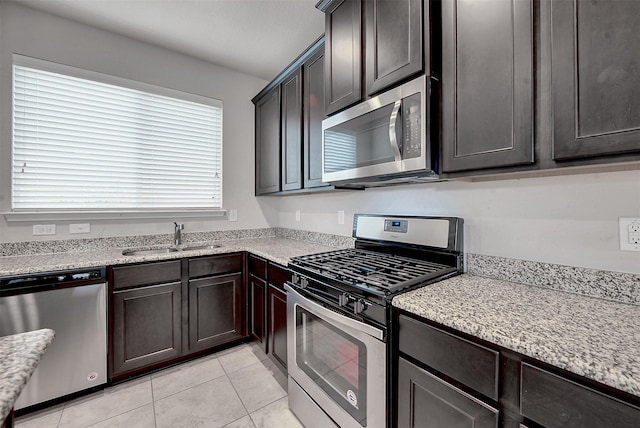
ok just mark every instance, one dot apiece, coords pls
pixel 292 131
pixel 426 401
pixel 258 295
pixel 215 311
pixel 595 75
pixel 343 59
pixel 394 48
pixel 268 143
pixel 313 115
pixel 487 89
pixel 277 323
pixel 147 326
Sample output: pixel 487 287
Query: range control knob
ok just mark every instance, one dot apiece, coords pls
pixel 295 278
pixel 343 299
pixel 304 283
pixel 359 306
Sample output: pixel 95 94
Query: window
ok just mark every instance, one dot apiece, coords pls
pixel 86 141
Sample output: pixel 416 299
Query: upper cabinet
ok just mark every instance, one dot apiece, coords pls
pixel 313 115
pixel 394 41
pixel 289 114
pixel 291 121
pixel 595 78
pixel 396 33
pixel 487 84
pixel 343 59
pixel 267 111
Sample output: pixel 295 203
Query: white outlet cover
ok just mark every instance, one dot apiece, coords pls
pixel 340 217
pixel 44 229
pixel 628 236
pixel 233 215
pixel 297 215
pixel 79 228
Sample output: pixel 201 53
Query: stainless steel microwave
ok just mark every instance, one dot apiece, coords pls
pixel 383 140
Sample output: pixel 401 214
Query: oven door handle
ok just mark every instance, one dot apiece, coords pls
pixel 331 315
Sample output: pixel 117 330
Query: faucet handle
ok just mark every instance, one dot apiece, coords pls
pixel 179 226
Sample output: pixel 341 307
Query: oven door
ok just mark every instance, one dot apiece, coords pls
pixel 339 362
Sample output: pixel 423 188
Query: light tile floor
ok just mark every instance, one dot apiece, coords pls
pixel 236 388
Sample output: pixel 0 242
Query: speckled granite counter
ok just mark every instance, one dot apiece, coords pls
pixel 278 250
pixel 591 337
pixel 19 357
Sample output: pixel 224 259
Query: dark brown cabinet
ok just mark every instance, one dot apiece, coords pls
pixel 258 300
pixel 289 114
pixel 268 303
pixel 555 402
pixel 162 312
pixel 147 326
pixel 267 162
pixel 397 35
pixel 395 44
pixel 215 311
pixel 291 122
pixel 487 84
pixel 277 315
pixel 595 78
pixel 446 380
pixel 343 54
pixel 313 115
pixel 426 401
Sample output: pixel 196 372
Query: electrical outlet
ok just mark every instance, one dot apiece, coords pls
pixel 80 228
pixel 629 233
pixel 340 217
pixel 44 229
pixel 233 215
pixel 297 215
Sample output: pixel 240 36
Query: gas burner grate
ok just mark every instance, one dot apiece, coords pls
pixel 363 268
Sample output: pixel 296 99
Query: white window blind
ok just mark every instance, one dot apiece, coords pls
pixel 81 144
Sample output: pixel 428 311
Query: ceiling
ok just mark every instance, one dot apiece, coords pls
pixel 257 37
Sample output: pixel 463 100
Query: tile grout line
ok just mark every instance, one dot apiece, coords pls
pixel 153 402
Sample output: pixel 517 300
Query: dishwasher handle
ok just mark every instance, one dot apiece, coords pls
pixel 50 281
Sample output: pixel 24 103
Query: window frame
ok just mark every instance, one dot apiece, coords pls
pixel 109 214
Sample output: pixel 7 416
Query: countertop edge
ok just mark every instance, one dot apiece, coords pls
pixel 20 355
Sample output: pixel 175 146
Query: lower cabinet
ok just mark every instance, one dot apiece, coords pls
pixel 268 305
pixel 147 326
pixel 277 322
pixel 447 380
pixel 215 311
pixel 426 401
pixel 161 312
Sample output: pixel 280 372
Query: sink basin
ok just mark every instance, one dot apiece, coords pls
pixel 152 251
pixel 200 247
pixel 149 252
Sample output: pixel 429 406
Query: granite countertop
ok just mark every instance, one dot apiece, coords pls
pixel 278 250
pixel 595 338
pixel 19 357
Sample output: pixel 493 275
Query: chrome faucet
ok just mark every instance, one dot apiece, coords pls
pixel 177 233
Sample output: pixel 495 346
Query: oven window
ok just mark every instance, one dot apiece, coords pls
pixel 334 360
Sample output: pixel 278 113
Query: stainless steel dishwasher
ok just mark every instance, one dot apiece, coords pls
pixel 73 304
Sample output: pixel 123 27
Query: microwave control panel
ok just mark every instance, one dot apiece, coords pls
pixel 411 135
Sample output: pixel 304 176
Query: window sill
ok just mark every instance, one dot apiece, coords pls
pixel 31 216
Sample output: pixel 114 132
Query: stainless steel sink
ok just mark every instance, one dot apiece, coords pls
pixel 149 252
pixel 200 247
pixel 152 251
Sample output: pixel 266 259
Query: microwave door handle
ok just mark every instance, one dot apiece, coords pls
pixel 393 139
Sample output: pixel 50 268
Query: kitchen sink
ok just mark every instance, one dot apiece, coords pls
pixel 149 252
pixel 200 247
pixel 152 251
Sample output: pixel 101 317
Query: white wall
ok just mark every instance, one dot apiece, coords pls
pixel 32 33
pixel 571 220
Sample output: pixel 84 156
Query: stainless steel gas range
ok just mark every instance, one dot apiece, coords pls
pixel 339 314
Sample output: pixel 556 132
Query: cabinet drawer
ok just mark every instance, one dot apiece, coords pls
pixel 215 265
pixel 146 274
pixel 556 402
pixel 258 267
pixel 277 275
pixel 468 363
